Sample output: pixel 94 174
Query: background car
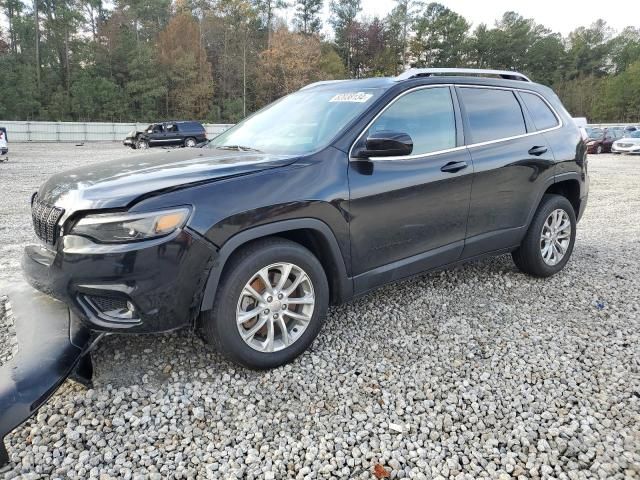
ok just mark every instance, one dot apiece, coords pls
pixel 630 143
pixel 600 140
pixel 187 134
pixel 4 145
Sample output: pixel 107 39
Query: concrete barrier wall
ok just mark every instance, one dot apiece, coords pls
pixel 82 131
pixel 107 132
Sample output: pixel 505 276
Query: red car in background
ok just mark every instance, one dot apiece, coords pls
pixel 601 139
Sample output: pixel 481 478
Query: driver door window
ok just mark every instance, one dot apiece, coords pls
pixel 428 117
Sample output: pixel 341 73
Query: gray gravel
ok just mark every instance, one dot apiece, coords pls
pixel 8 343
pixel 475 372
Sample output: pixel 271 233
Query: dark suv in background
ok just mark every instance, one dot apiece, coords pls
pixel 187 134
pixel 324 195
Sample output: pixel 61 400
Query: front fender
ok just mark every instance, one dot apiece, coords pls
pixel 343 283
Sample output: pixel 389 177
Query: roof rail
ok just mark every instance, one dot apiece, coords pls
pixel 323 82
pixel 428 72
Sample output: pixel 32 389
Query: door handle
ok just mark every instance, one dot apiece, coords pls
pixel 538 150
pixel 453 167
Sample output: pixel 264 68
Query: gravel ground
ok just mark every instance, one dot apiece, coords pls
pixel 476 372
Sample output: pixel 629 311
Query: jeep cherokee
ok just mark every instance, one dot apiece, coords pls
pixel 325 194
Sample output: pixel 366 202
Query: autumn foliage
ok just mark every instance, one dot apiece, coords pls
pixel 292 61
pixel 184 62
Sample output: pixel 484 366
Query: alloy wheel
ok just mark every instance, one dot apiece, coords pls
pixel 275 307
pixel 555 237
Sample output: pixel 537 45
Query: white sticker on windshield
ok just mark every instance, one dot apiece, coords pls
pixel 356 97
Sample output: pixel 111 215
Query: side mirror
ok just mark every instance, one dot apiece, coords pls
pixel 385 143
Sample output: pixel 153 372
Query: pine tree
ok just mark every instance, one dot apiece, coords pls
pixel 307 16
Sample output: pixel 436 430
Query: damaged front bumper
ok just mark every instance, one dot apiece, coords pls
pixel 52 345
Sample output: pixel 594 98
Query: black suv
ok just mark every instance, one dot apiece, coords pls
pixel 187 134
pixel 326 194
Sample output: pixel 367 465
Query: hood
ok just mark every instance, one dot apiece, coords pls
pixel 117 183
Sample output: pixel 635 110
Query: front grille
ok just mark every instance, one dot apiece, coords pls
pixel 625 145
pixel 45 220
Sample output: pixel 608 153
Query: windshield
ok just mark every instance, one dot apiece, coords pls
pixel 635 134
pixel 298 123
pixel 595 132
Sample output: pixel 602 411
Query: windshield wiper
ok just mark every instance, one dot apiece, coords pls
pixel 240 148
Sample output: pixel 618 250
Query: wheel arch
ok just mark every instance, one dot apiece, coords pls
pixel 570 189
pixel 308 232
pixel 566 184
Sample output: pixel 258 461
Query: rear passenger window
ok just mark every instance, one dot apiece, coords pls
pixel 492 114
pixel 426 115
pixel 541 114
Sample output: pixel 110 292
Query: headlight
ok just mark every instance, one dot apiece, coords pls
pixel 130 227
pixel 591 142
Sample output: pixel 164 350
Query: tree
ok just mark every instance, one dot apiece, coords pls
pixel 293 61
pixel 399 25
pixel 625 49
pixel 268 8
pixel 589 50
pixel 188 72
pixel 307 16
pixel 440 37
pixel 370 56
pixel 343 21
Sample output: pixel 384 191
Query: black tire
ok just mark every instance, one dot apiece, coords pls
pixel 218 326
pixel 528 257
pixel 190 142
pixel 141 144
pixel 599 149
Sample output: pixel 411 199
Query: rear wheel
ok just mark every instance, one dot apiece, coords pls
pixel 599 149
pixel 271 303
pixel 548 244
pixel 190 142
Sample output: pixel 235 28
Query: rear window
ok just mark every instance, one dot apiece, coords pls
pixel 542 116
pixel 191 126
pixel 492 114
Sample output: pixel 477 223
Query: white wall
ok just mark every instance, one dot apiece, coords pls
pixel 81 131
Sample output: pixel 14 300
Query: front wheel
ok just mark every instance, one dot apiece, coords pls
pixel 548 244
pixel 142 144
pixel 270 305
pixel 190 142
pixel 599 149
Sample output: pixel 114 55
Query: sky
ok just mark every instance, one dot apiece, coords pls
pixel 561 16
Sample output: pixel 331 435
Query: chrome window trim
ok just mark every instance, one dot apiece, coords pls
pixel 461 147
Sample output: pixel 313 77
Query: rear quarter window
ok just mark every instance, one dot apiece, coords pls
pixel 491 114
pixel 542 116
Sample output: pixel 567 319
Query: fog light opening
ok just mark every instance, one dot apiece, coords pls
pixel 113 308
